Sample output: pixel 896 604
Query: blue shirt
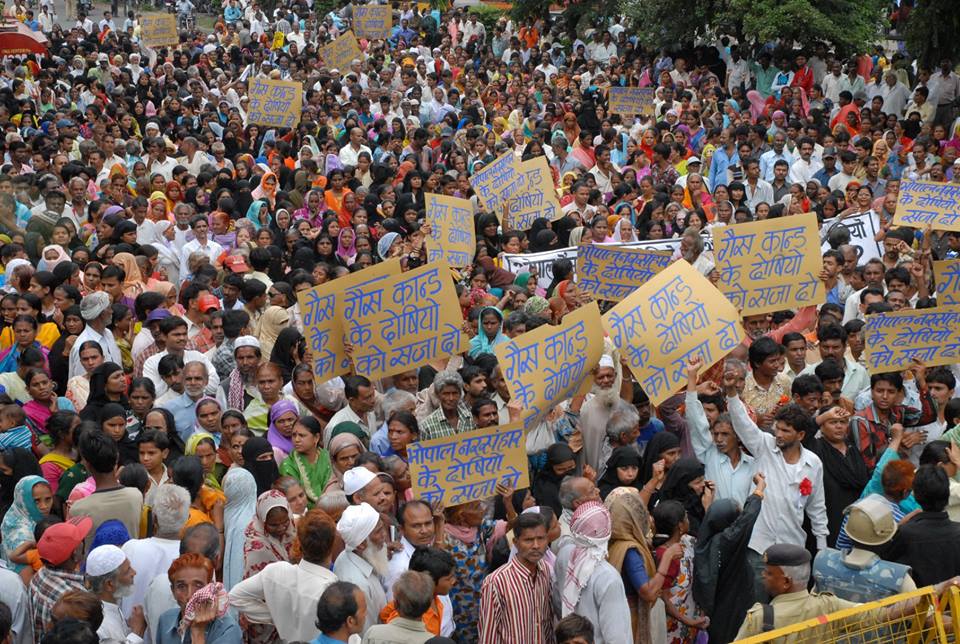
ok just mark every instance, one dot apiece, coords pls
pixel 719 164
pixel 823 177
pixel 324 639
pixel 379 443
pixel 184 410
pixel 223 630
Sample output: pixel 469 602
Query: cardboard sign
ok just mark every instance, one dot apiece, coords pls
pixel 614 272
pixel 158 29
pixel 924 203
pixel 499 182
pixel 539 199
pixel 674 317
pixel 372 20
pixel 274 103
pixel 893 340
pixel 403 321
pixel 321 311
pixel 770 265
pixel 452 236
pixel 341 52
pixel 546 366
pixel 946 274
pixel 467 467
pixel 630 101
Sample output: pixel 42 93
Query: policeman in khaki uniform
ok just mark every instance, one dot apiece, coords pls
pixel 785 579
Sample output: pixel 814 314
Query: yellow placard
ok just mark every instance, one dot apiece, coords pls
pixel 467 467
pixel 612 273
pixel 372 20
pixel 770 265
pixel 671 319
pixel 341 52
pixel 452 237
pixel 321 311
pixel 549 364
pixel 893 340
pixel 499 182
pixel 924 203
pixel 537 199
pixel 276 103
pixel 629 101
pixel 158 29
pixel 946 275
pixel 403 321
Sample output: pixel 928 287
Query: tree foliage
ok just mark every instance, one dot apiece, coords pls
pixel 933 31
pixel 848 25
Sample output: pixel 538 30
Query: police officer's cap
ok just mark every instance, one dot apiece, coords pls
pixel 785 554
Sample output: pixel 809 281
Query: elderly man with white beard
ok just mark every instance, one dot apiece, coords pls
pixel 623 430
pixel 596 411
pixel 363 486
pixel 109 576
pixel 365 560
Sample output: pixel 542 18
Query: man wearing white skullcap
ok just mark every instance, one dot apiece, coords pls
pixel 109 576
pixel 239 389
pixel 96 311
pixel 366 487
pixel 364 561
pixel 596 411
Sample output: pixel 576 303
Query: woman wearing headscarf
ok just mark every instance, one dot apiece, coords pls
pixel 106 387
pixel 272 322
pixel 16 463
pixel 490 334
pixel 266 189
pixel 347 251
pixel 622 457
pixel 240 488
pixel 685 483
pixel 284 353
pixel 487 234
pixel 133 282
pixel 51 256
pixel 32 500
pixel 561 461
pixel 344 449
pixel 268 538
pixel 283 413
pixel 722 576
pixel 258 459
pixel 629 551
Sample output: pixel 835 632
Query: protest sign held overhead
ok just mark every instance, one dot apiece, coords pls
pixel 452 236
pixel 158 29
pixel 894 340
pixel 924 203
pixel 467 467
pixel 770 265
pixel 538 198
pixel 321 312
pixel 946 274
pixel 273 102
pixel 548 365
pixel 372 20
pixel 499 182
pixel 403 321
pixel 341 52
pixel 632 101
pixel 676 316
pixel 612 273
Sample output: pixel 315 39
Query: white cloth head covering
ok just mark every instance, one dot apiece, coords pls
pixel 590 527
pixel 606 361
pixel 93 305
pixel 356 524
pixel 103 560
pixel 246 341
pixel 356 479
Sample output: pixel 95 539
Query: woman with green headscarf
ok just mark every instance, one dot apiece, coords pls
pixel 490 333
pixel 32 499
pixel 204 446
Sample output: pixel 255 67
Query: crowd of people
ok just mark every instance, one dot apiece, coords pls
pixel 171 471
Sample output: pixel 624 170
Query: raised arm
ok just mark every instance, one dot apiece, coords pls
pixel 747 431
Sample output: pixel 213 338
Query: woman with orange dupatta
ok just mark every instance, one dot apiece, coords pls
pixel 133 282
pixel 571 129
pixel 849 118
pixel 174 194
pixel 159 208
pixel 334 194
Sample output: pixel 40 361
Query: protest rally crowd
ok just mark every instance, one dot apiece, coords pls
pixel 175 469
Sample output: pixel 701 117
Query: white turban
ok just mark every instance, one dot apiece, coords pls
pixel 356 524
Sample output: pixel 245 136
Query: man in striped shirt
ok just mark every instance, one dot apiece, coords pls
pixel 515 605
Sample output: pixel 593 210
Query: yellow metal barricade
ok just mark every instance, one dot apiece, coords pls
pixel 875 623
